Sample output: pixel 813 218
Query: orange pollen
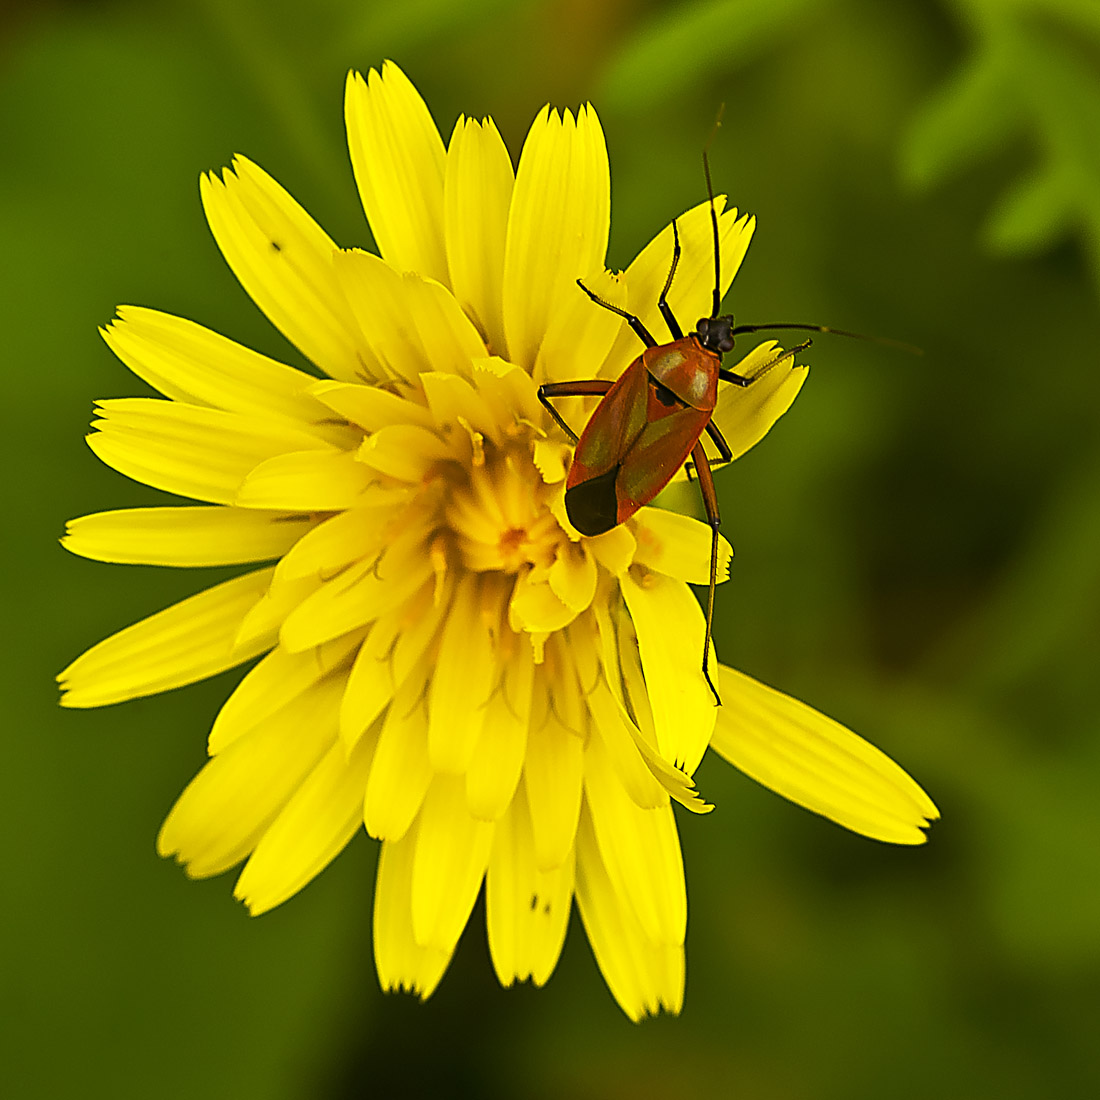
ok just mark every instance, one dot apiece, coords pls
pixel 512 540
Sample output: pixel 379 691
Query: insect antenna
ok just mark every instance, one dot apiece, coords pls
pixel 716 302
pixel 901 345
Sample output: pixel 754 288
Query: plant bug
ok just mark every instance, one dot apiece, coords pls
pixel 651 420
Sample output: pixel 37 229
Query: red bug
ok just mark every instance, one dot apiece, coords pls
pixel 652 418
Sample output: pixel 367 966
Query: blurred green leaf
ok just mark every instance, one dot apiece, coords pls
pixel 397 28
pixel 1028 74
pixel 1045 896
pixel 970 116
pixel 684 46
pixel 272 65
pixel 1036 209
pixel 1047 604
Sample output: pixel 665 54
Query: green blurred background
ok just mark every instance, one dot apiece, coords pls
pixel 918 547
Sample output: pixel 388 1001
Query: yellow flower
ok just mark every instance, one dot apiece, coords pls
pixel 447 661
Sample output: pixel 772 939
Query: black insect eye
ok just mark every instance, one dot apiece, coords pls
pixel 702 328
pixel 726 344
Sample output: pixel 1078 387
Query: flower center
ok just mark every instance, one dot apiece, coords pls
pixel 500 517
pixel 511 542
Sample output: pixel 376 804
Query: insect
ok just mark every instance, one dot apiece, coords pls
pixel 651 420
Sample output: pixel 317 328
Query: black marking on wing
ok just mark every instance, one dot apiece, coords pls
pixel 592 505
pixel 664 394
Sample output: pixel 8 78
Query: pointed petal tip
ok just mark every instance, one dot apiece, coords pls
pixel 255 905
pixel 164 847
pixel 911 835
pixel 817 763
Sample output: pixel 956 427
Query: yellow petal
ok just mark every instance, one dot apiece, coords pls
pixel 337 541
pixel 413 324
pixel 175 422
pixel 403 451
pixel 401 962
pixel 527 910
pixel 557 225
pixel 401 773
pixel 398 160
pixel 360 594
pixel 184 536
pixel 679 786
pixel 552 775
pixel 622 667
pixel 572 577
pixel 390 654
pixel 620 742
pixel 640 850
pixel 552 459
pixel 535 608
pixel 448 337
pixel 692 288
pixel 279 678
pixel 266 615
pixel 453 400
pixel 420 629
pixel 452 852
pixel 370 407
pixel 370 685
pixel 497 760
pixel 476 197
pixel 188 449
pixel 283 259
pixel 190 363
pixel 465 673
pixel 567 697
pixel 579 337
pixel 311 830
pixel 745 414
pixel 309 481
pixel 226 808
pixel 614 549
pixel 643 976
pixel 509 391
pixel 183 643
pixel 678 546
pixel 671 628
pixel 817 763
pixel 612 724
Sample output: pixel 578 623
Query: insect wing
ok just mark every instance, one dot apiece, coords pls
pixel 618 420
pixel 591 498
pixel 657 455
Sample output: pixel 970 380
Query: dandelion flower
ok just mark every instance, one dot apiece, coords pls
pixel 443 658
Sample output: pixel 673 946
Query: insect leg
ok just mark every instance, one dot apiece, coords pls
pixel 710 503
pixel 592 387
pixel 725 452
pixel 719 440
pixel 736 379
pixel 742 380
pixel 662 301
pixel 635 323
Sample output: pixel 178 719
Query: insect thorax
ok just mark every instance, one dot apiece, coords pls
pixel 686 368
